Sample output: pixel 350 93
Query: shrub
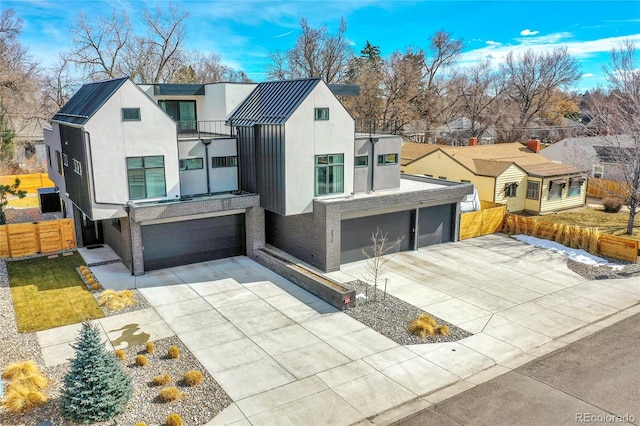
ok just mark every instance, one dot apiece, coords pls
pixel 141 361
pixel 96 286
pixel 20 369
pixel 86 272
pixel 421 328
pixel 91 281
pixel 120 354
pixel 150 347
pixel 170 394
pixel 612 205
pixel 174 420
pixel 173 352
pixel 442 330
pixel 96 388
pixel 161 380
pixel 20 398
pixel 192 378
pixel 116 300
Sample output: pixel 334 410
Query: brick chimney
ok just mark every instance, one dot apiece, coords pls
pixel 534 145
pixel 473 141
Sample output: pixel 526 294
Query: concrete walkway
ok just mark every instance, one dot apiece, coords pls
pixel 286 357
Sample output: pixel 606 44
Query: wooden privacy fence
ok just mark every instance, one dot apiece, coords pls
pixel 25 239
pixel 604 188
pixel 588 239
pixel 488 220
pixel 30 182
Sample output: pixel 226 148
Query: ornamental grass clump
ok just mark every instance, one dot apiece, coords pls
pixel 173 352
pixel 161 380
pixel 20 398
pixel 174 420
pixel 141 361
pixel 192 378
pixel 425 325
pixel 116 300
pixel 169 394
pixel 150 347
pixel 25 389
pixel 120 354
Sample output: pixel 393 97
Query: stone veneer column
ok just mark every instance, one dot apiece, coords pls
pixel 255 230
pixel 137 253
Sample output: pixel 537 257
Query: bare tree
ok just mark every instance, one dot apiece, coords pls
pixel 57 84
pixel 316 53
pixel 531 81
pixel 376 265
pixel 619 112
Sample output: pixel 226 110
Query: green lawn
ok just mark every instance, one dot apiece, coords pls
pixel 49 293
pixel 609 223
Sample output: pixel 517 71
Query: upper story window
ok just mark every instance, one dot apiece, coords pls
pixel 387 159
pixel 322 114
pixel 191 164
pixel 130 114
pixel 329 174
pixel 77 166
pixel 182 112
pixel 361 161
pixel 59 162
pixel 65 160
pixel 146 177
pixel 230 161
pixel 48 155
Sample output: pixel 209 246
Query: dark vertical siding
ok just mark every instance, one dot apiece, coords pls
pixel 72 139
pixel 270 160
pixel 246 159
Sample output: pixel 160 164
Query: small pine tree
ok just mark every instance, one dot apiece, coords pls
pixel 96 387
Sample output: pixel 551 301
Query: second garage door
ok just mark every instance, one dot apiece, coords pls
pixel 192 241
pixel 434 225
pixel 356 233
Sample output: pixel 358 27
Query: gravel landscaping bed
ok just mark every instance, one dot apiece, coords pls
pixel 604 272
pixel 391 316
pixel 199 405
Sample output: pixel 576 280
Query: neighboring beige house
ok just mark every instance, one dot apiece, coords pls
pixel 510 173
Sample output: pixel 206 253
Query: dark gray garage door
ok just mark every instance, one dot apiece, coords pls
pixel 434 225
pixel 191 241
pixel 356 233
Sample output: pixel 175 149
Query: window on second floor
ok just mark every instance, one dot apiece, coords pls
pixel 130 114
pixel 59 162
pixel 329 174
pixel 361 161
pixel 191 164
pixel 77 166
pixel 322 114
pixel 65 160
pixel 230 161
pixel 182 112
pixel 49 156
pixel 386 159
pixel 146 177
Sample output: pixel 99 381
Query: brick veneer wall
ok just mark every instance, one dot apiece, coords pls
pixel 119 241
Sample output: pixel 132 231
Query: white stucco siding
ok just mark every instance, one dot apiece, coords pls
pixel 113 140
pixel 305 138
pixel 223 178
pixel 192 181
pixel 222 98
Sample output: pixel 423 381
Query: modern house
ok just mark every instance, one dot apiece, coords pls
pixel 172 174
pixel 603 156
pixel 510 173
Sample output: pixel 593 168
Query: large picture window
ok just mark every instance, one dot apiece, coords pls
pixel 329 174
pixel 146 177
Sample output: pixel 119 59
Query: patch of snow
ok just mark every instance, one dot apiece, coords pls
pixel 577 255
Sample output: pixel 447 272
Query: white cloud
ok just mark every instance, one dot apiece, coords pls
pixel 528 32
pixel 494 43
pixel 283 35
pixel 588 75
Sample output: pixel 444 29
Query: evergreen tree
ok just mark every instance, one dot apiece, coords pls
pixel 6 190
pixel 96 387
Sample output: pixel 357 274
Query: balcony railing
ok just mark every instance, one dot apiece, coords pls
pixel 203 129
pixel 378 126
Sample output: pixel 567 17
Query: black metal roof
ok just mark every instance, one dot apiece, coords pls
pixel 272 102
pixel 87 101
pixel 178 89
pixel 345 89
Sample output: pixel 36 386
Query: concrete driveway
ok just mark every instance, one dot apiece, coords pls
pixel 286 357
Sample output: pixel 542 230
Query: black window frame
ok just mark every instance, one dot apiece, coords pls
pixel 361 157
pixel 329 163
pixel 77 166
pixel 321 114
pixel 184 164
pixel 125 111
pixel 224 161
pixel 388 159
pixel 144 175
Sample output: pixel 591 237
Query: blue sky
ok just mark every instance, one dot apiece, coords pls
pixel 243 32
